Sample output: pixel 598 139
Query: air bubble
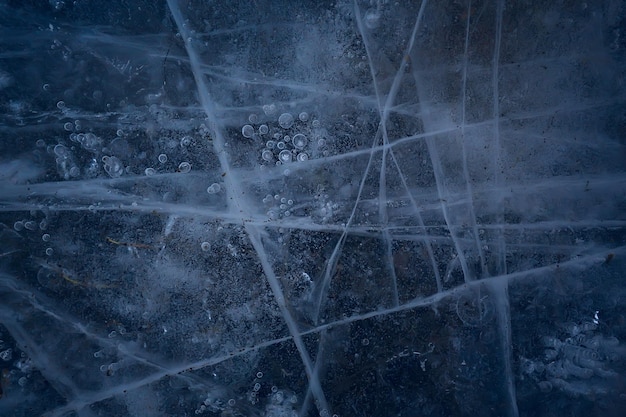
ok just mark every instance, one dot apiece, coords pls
pixel 184 167
pixel 247 131
pixel 231 402
pixel 162 158
pixel 259 374
pixel 60 105
pixel 68 126
pixel 304 116
pixel 267 155
pixel 299 141
pixel 269 109
pixel 18 226
pixel 316 124
pixel 46 87
pixel 30 225
pixel 113 166
pixel 205 246
pixel 45 237
pixel 302 157
pixel 263 129
pixel 185 141
pixel 257 387
pixel 61 151
pixel 40 143
pixel 43 224
pixel 49 251
pixel 214 188
pixel 285 120
pixel 281 145
pixel 270 144
pixel 253 118
pixel 285 156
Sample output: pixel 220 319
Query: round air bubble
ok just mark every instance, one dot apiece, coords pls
pixel 263 129
pixel 61 104
pixel 284 156
pixel 185 141
pixel 302 157
pixel 45 237
pixel 162 158
pixel 299 141
pixel 270 144
pixel 205 246
pixel 259 374
pixel 280 145
pixel 30 225
pixel 69 126
pixel 304 116
pixel 40 143
pixel 49 251
pixel 247 131
pixel 18 226
pixel 285 120
pixel 150 171
pixel 61 151
pixel 184 167
pixel 119 132
pixel 267 155
pixel 253 118
pixel 214 188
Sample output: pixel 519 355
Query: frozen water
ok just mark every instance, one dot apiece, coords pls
pixel 313 208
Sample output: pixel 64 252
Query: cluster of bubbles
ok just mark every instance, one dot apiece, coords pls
pixel 33 225
pixel 16 366
pixel 87 154
pixel 287 138
pixel 278 206
pixel 326 209
pixel 576 362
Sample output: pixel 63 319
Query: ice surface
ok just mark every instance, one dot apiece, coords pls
pixel 312 208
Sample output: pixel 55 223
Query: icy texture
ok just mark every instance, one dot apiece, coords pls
pixel 303 208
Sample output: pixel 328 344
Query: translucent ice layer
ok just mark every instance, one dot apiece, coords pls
pixel 312 208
